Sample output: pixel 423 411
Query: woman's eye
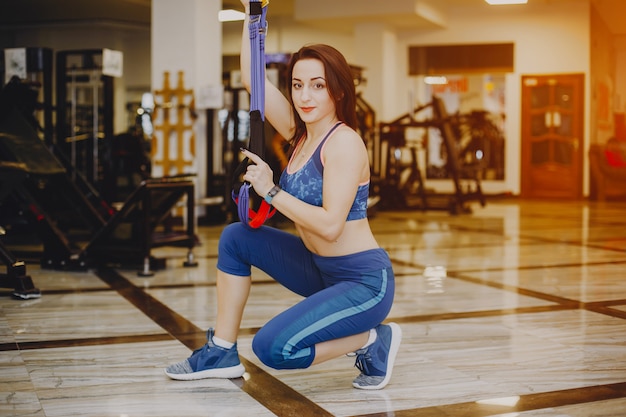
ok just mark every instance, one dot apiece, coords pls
pixel 296 85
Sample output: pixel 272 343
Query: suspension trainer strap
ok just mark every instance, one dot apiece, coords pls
pixel 257 30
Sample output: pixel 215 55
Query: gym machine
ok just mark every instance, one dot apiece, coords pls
pixel 78 230
pixel 84 115
pixel 399 180
pixel 15 276
pixel 36 79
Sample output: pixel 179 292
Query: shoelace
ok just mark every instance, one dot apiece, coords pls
pixel 363 359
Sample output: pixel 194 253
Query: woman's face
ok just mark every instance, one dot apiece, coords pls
pixel 309 91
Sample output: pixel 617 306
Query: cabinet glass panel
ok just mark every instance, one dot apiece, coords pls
pixel 540 97
pixel 563 152
pixel 567 125
pixel 564 96
pixel 538 125
pixel 540 152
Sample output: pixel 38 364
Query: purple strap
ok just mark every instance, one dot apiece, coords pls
pixel 257 29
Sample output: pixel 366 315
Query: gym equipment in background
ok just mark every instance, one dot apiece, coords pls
pixel 79 231
pixel 15 276
pixel 399 180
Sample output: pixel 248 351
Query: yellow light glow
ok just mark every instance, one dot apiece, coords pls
pixel 435 80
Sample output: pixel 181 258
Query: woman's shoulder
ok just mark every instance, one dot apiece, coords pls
pixel 345 135
pixel 344 141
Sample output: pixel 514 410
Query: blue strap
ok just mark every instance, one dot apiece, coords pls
pixel 257 29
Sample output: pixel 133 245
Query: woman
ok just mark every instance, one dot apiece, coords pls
pixel 334 261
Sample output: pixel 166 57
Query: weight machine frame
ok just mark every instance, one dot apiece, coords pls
pixel 76 232
pixel 411 192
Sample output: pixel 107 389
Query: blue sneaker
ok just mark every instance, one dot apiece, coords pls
pixel 376 361
pixel 210 361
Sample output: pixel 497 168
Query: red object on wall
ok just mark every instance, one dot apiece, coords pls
pixel 614 158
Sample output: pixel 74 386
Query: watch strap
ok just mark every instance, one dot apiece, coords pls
pixel 271 193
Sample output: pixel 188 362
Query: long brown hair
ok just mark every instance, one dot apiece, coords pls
pixel 338 79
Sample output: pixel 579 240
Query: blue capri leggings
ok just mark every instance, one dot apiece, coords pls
pixel 344 295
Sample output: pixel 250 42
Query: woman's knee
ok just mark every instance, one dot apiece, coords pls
pixel 229 235
pixel 231 257
pixel 265 349
pixel 273 353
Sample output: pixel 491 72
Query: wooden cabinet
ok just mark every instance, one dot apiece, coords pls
pixel 552 136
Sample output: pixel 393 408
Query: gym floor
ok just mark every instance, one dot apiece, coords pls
pixel 530 320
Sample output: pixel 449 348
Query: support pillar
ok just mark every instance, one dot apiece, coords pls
pixel 187 39
pixel 376 51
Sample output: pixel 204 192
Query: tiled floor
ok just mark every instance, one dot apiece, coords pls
pixel 530 321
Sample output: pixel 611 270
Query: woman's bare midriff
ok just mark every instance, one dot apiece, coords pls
pixel 356 237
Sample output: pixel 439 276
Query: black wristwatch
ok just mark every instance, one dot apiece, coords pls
pixel 271 193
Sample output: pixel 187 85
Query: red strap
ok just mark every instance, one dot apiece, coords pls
pixel 257 218
pixel 265 212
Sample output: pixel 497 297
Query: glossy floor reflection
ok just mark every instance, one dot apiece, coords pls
pixel 529 319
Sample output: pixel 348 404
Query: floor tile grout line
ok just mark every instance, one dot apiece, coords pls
pixel 152 287
pixel 93 341
pixel 596 307
pixel 607 311
pixel 521 236
pixel 515 289
pixel 517 268
pixel 553 266
pixel 527 402
pixel 260 385
pixel 479 313
pixel 618 302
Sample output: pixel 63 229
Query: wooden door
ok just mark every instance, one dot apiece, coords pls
pixel 552 134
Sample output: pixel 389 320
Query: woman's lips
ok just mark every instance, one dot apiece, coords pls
pixel 307 109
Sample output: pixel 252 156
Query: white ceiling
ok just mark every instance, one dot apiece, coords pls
pixel 137 12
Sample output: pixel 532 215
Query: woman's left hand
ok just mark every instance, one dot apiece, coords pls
pixel 259 174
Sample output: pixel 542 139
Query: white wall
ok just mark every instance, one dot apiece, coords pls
pixel 548 39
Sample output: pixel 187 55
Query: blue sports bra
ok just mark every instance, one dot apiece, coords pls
pixel 306 183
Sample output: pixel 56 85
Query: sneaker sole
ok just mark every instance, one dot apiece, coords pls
pixel 396 339
pixel 224 373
